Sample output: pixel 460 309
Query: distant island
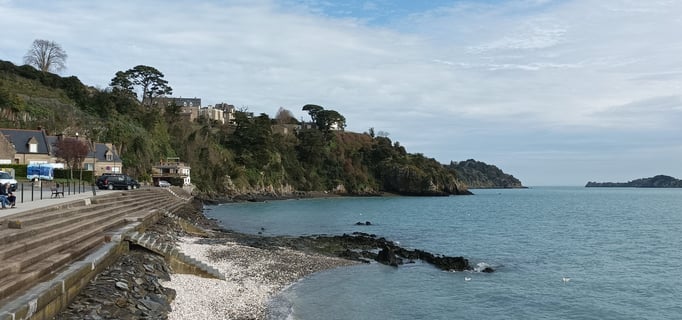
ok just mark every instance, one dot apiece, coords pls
pixel 480 175
pixel 659 181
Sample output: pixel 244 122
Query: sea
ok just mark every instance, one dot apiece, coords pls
pixel 558 253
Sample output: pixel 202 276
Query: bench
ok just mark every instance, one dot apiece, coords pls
pixel 56 192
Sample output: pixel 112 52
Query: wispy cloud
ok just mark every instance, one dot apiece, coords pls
pixel 436 75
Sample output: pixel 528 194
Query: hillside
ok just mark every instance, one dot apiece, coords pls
pixel 245 157
pixel 479 175
pixel 659 181
pixel 31 99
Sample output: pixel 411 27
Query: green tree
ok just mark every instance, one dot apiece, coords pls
pixel 146 79
pixel 326 119
pixel 312 110
pixel 46 56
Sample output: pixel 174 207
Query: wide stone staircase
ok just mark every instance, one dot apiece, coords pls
pixel 48 254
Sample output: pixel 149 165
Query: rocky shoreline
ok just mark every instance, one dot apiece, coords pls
pixel 140 285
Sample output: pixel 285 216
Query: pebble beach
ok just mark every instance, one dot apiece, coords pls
pixel 253 275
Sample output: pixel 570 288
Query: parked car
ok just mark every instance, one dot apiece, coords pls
pixel 102 182
pixel 5 178
pixel 164 184
pixel 113 181
pixel 136 184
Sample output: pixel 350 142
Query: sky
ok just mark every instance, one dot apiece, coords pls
pixel 554 92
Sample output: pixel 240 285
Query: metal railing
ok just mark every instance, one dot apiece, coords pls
pixel 33 191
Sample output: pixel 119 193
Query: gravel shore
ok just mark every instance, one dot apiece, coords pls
pixel 253 276
pixel 140 285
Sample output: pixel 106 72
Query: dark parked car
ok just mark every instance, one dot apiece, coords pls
pixel 117 181
pixel 136 184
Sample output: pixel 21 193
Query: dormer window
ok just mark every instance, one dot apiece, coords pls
pixel 109 156
pixel 32 145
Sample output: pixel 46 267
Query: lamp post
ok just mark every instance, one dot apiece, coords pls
pixel 94 160
pixel 80 162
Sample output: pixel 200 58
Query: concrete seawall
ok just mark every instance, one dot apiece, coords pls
pixel 53 292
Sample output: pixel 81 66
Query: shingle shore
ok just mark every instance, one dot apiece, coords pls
pixel 253 276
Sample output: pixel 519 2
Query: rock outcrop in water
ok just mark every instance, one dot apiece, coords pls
pixel 366 247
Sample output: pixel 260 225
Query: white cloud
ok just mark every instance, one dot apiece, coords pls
pixel 567 67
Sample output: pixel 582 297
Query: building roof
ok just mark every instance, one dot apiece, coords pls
pixel 21 137
pixel 101 153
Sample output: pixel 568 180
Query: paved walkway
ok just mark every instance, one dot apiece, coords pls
pixel 32 199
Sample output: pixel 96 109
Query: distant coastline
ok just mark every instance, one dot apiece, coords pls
pixel 659 181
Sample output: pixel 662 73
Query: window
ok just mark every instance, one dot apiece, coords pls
pixel 87 166
pixel 33 147
pixel 109 156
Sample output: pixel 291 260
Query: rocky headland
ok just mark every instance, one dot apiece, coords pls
pixel 480 175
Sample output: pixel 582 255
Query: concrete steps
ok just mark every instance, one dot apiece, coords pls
pixel 51 239
pixel 43 223
pixel 51 213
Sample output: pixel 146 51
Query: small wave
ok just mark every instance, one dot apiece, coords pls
pixel 481 266
pixel 279 307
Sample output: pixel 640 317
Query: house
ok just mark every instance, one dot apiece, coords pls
pixel 182 102
pixel 191 113
pixel 7 150
pixel 285 129
pixel 212 114
pixel 19 146
pixel 171 169
pixel 29 146
pixel 103 158
pixel 334 126
pixel 228 112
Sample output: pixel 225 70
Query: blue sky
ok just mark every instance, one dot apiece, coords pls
pixel 553 92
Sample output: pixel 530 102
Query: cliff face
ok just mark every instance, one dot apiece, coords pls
pixel 479 175
pixel 410 180
pixel 659 181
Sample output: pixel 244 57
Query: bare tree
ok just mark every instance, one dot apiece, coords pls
pixel 46 55
pixel 73 151
pixel 284 116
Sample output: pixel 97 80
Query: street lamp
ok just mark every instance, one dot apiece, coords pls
pixel 94 160
pixel 80 162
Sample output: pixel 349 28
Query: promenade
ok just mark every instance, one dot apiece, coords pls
pixel 50 247
pixel 33 198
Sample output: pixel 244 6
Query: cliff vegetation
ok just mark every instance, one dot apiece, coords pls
pixel 251 155
pixel 480 175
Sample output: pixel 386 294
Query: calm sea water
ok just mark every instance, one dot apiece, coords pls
pixel 621 249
